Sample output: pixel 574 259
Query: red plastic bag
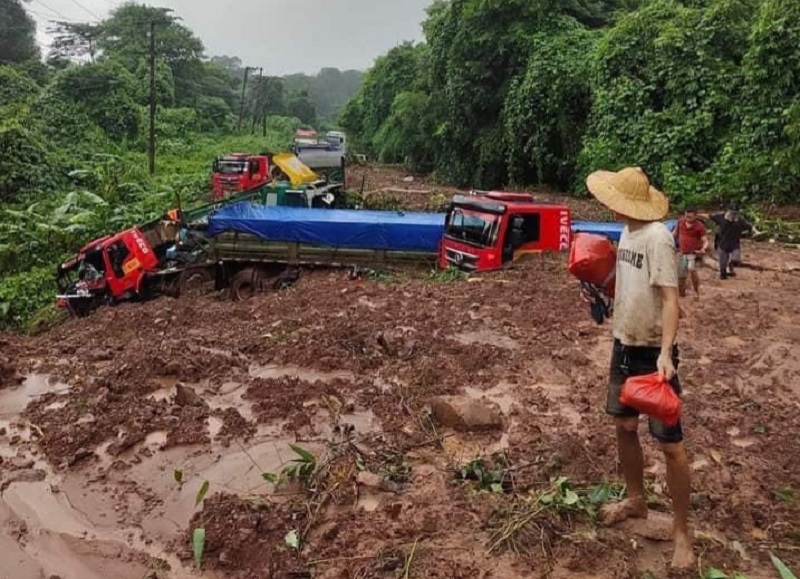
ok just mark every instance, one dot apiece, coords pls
pixel 651 394
pixel 593 259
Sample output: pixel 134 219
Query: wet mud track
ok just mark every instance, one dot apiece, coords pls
pixel 111 426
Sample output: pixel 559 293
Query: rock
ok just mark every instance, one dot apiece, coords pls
pixel 370 480
pixel 103 355
pixel 465 414
pixel 656 527
pixel 173 368
pixel 127 441
pixel 329 531
pixel 19 463
pixel 82 454
pixel 24 476
pixel 186 396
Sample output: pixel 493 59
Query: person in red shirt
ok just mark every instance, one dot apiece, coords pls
pixel 692 245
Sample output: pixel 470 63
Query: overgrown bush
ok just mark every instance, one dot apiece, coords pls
pixel 23 294
pixel 24 164
pixel 703 94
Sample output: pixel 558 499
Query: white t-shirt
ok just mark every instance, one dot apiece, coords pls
pixel 646 262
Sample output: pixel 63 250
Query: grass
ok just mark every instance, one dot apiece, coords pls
pixel 546 516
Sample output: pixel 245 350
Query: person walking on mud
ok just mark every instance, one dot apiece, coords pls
pixel 730 228
pixel 646 314
pixel 692 245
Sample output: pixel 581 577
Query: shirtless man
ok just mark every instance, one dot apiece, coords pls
pixel 646 317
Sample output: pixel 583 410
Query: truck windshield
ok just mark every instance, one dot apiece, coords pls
pixel 230 167
pixel 471 227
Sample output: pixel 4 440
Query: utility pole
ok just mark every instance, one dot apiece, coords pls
pixel 259 99
pixel 241 102
pixel 152 140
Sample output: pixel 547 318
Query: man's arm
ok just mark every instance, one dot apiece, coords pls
pixel 704 236
pixel 670 315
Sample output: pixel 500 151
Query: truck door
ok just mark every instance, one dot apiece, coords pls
pixel 253 174
pixel 523 235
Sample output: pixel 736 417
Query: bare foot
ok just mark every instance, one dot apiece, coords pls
pixel 613 513
pixel 684 556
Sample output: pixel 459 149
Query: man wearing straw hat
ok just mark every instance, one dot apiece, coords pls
pixel 646 317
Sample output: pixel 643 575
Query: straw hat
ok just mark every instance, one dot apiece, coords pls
pixel 629 193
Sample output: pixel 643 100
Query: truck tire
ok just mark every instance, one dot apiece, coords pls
pixel 244 284
pixel 195 281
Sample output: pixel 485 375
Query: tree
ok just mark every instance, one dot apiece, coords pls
pixel 17 33
pixel 124 37
pixel 106 92
pixel 668 91
pixel 548 106
pixel 233 64
pixel 23 165
pixel 165 83
pixel 16 88
pixel 299 105
pixel 402 69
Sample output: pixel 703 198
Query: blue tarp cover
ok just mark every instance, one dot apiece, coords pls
pixel 611 230
pixel 333 227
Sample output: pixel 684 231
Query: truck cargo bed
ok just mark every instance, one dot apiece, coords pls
pixel 332 230
pixel 245 247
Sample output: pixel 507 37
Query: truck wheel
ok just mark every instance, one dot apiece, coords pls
pixel 195 281
pixel 243 284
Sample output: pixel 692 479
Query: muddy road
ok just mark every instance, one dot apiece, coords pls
pixel 308 413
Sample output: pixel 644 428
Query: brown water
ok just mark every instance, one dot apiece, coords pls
pixel 100 522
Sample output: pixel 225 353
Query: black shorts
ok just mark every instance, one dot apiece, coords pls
pixel 629 361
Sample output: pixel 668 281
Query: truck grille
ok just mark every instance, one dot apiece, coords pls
pixel 461 260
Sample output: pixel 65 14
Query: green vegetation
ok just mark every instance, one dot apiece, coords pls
pixel 300 469
pixel 543 517
pixel 74 128
pixel 702 93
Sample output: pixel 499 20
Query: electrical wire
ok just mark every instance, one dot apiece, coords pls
pixel 46 7
pixel 85 9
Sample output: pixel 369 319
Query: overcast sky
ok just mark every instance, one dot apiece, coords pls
pixel 283 36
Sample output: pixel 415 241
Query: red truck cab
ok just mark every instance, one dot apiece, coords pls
pixel 489 231
pixel 112 268
pixel 239 172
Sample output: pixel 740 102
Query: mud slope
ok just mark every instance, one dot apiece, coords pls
pixel 110 426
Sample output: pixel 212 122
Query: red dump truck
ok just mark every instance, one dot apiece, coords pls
pixel 247 245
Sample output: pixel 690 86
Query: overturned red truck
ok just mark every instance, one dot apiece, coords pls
pixel 247 246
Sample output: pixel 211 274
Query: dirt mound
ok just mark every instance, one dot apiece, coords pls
pixel 9 354
pixel 307 410
pixel 236 532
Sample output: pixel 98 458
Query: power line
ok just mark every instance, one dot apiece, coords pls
pixel 56 12
pixel 85 9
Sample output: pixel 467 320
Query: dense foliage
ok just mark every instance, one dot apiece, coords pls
pixel 73 133
pixel 702 93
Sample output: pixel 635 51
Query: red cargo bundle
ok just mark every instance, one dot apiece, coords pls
pixel 593 260
pixel 651 394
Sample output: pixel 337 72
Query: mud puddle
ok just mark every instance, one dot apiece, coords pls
pixel 13 400
pixel 487 338
pixel 115 515
pixel 304 374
